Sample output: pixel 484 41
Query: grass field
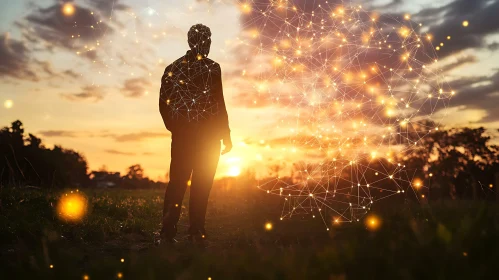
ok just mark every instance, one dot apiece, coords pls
pixel 445 240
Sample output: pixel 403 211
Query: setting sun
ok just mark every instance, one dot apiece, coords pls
pixel 234 171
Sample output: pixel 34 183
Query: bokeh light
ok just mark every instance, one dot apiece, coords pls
pixel 372 222
pixel 68 9
pixel 465 23
pixel 72 207
pixel 8 104
pixel 268 226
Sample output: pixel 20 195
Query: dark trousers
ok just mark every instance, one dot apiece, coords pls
pixel 196 152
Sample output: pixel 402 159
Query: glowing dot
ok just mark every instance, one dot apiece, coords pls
pixel 51 266
pixel 465 23
pixel 8 104
pixel 373 222
pixel 246 8
pixel 68 9
pixel 268 226
pixel 86 277
pixel 122 260
pixel 119 275
pixel 72 207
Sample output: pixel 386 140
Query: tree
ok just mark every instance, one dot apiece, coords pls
pixel 135 172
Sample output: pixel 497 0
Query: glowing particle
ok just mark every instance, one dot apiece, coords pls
pixel 465 23
pixel 119 275
pixel 72 207
pixel 8 104
pixel 122 260
pixel 68 9
pixel 372 222
pixel 51 266
pixel 268 226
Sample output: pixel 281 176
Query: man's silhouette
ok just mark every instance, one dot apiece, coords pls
pixel 193 109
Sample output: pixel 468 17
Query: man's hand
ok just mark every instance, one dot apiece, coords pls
pixel 228 145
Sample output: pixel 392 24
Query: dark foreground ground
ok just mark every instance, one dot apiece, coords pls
pixel 445 240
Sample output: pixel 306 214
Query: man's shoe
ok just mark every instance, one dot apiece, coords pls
pixel 167 241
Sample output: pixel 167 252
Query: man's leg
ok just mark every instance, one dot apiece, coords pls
pixel 180 171
pixel 202 180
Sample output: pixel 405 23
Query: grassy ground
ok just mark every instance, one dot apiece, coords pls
pixel 451 240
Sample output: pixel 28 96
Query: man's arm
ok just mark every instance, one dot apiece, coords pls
pixel 222 117
pixel 164 93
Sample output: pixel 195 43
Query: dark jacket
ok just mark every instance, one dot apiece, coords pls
pixel 191 96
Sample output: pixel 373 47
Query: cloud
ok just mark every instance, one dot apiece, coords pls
pixel 116 152
pixel 447 21
pixel 136 87
pixel 58 133
pixel 14 59
pixel 89 93
pixel 107 8
pixel 70 32
pixel 460 61
pixel 135 137
pixel 71 74
pixel 478 92
pixel 493 46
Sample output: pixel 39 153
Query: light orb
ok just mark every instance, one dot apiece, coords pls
pixel 68 9
pixel 8 104
pixel 72 207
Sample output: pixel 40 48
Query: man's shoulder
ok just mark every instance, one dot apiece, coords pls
pixel 211 61
pixel 176 63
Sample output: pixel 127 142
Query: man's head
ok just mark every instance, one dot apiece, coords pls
pixel 199 38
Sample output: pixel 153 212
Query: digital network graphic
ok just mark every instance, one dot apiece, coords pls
pixel 356 88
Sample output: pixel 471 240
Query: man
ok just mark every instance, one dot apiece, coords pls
pixel 193 109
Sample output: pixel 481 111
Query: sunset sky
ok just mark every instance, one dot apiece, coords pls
pixel 87 75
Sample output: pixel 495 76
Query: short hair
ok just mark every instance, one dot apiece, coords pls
pixel 198 33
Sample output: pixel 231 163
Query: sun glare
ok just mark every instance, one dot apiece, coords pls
pixel 234 171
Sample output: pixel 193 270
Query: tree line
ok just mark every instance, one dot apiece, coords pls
pixel 25 161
